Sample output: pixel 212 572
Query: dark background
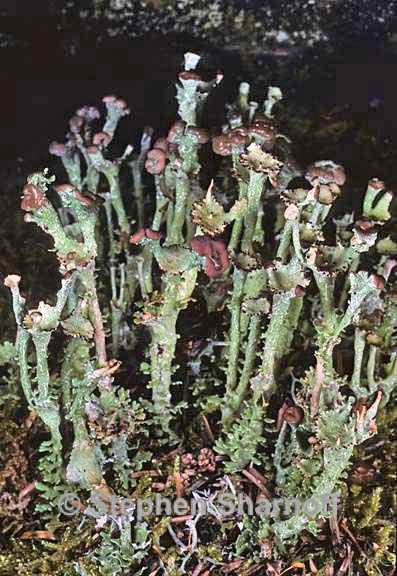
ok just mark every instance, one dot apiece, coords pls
pixel 52 63
pixel 53 60
pixel 42 90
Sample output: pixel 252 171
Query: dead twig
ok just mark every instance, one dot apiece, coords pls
pixel 346 564
pixel 350 535
pixel 141 473
pixel 257 482
pixel 179 488
pixel 208 428
pixel 227 568
pixel 181 519
pixel 198 570
pixel 335 532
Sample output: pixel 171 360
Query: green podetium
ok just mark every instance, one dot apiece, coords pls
pixel 290 295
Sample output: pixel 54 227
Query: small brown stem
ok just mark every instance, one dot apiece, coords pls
pixel 178 484
pixel 344 527
pixel 141 473
pixel 335 532
pixel 181 519
pixel 257 483
pixel 208 428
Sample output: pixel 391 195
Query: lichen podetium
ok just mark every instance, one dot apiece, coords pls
pixel 218 329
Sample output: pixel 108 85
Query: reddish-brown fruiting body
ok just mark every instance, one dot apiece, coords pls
pixel 376 183
pixel 265 133
pixel 291 213
pixel 109 99
pixel 155 162
pixel 176 130
pixel 161 144
pixel 85 200
pixel 293 415
pixel 200 245
pixel 216 256
pixel 289 413
pixel 362 475
pixel 137 236
pixel 262 118
pixel 145 233
pixel 189 75
pixel 101 138
pixel 326 172
pixel 378 281
pixel 33 198
pixel 200 135
pixel 239 136
pixel 218 261
pixel 153 234
pixel 300 291
pixel 388 268
pixel 364 226
pixel 222 145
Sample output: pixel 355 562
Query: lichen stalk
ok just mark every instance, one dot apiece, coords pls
pixel 254 194
pixel 182 189
pixel 112 176
pixel 175 296
pixel 273 347
pixel 234 398
pixel 233 348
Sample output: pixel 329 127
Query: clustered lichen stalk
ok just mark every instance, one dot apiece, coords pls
pixel 288 299
pixel 76 312
pixel 177 283
pixel 176 294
